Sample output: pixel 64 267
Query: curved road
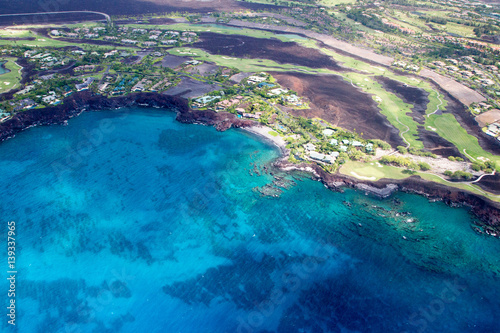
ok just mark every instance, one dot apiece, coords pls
pixel 106 16
pixel 440 103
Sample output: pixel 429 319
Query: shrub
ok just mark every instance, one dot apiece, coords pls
pixel 381 144
pixel 402 150
pixel 424 166
pixel 448 173
pixel 451 158
pixel 476 166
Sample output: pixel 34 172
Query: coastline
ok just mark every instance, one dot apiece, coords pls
pixel 263 132
pixel 486 210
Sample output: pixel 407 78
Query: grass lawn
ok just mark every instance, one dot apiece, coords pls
pixel 448 127
pixel 244 65
pixel 372 171
pixel 331 3
pixel 217 29
pixel 273 133
pixel 391 106
pixel 460 29
pixel 16 33
pixel 10 80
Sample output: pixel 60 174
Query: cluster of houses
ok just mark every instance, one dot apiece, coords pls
pixel 4 115
pixel 85 84
pixel 46 59
pixel 131 36
pixel 467 68
pixel 24 104
pixel 494 130
pixel 407 66
pixel 340 145
pixel 260 80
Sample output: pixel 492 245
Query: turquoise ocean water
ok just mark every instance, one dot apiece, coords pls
pixel 128 221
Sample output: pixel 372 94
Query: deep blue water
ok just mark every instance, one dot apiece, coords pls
pixel 128 221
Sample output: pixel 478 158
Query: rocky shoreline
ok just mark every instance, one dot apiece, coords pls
pixel 486 210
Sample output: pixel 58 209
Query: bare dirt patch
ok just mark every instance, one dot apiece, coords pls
pixel 172 61
pixel 336 101
pixel 203 69
pixel 490 183
pixel 237 78
pixel 189 88
pixel 488 117
pixel 271 49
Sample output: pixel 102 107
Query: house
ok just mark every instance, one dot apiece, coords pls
pixel 255 79
pixel 277 91
pixel 103 86
pixel 85 85
pixel 334 142
pixel 26 103
pixel 357 144
pixel 494 128
pixel 160 85
pixel 250 115
pixel 130 41
pixel 328 132
pixel 55 33
pixel 310 147
pixel 141 85
pixel 26 89
pixel 293 99
pixel 192 62
pixel 169 42
pixel 322 157
pixel 48 99
pixel 207 99
pixel 110 53
pixel 149 43
pixel 85 68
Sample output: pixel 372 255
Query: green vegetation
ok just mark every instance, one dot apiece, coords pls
pixel 11 79
pixel 448 127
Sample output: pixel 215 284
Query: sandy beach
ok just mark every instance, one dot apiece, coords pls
pixel 263 131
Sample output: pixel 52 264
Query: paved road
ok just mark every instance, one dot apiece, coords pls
pixel 106 16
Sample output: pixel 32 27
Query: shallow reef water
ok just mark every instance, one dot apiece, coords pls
pixel 128 221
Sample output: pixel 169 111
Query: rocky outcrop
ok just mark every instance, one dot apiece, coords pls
pixel 82 101
pixel 487 211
